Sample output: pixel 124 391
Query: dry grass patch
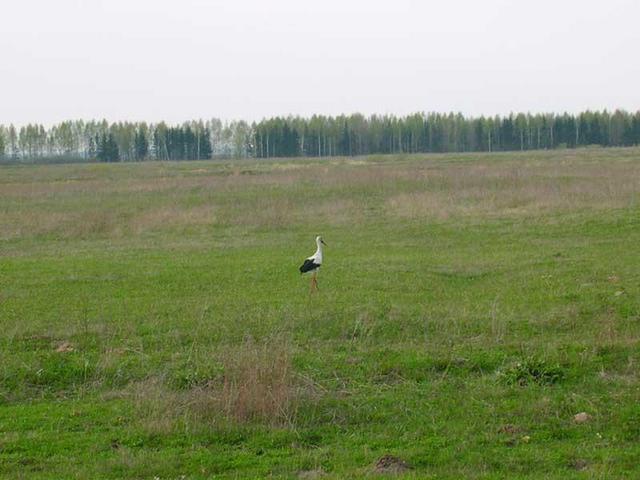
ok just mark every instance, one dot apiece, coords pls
pixel 64 224
pixel 172 216
pixel 20 224
pixel 334 212
pixel 102 221
pixel 258 384
pixel 510 189
pixel 264 212
pixel 39 201
pixel 422 205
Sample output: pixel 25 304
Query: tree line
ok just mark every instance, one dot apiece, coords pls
pixel 317 136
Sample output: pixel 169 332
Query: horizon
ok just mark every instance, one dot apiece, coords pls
pixel 307 117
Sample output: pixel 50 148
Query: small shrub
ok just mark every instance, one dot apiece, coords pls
pixel 531 371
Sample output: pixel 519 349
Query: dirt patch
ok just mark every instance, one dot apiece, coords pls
pixel 581 417
pixel 389 464
pixel 312 474
pixel 510 429
pixel 64 347
pixel 579 464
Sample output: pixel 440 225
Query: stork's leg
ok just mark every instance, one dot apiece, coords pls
pixel 314 283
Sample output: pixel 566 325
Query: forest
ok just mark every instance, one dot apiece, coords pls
pixel 317 136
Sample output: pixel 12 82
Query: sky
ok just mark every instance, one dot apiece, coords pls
pixel 249 59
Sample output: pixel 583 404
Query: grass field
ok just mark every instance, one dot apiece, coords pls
pixel 154 324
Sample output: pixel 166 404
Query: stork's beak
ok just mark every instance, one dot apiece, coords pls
pixel 323 241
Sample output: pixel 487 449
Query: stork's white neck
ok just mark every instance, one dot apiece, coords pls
pixel 318 253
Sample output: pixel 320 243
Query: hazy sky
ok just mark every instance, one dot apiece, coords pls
pixel 246 59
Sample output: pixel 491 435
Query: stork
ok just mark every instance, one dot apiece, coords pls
pixel 313 263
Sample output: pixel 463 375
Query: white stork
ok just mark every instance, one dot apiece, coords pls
pixel 312 264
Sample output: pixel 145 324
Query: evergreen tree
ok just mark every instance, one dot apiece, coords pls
pixel 107 150
pixel 141 144
pixel 204 145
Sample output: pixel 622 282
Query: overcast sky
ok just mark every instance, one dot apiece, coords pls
pixel 247 59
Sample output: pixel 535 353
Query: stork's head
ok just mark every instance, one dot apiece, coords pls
pixel 319 240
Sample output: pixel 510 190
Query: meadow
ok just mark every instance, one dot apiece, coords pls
pixel 154 323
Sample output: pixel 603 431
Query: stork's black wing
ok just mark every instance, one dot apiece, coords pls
pixel 308 266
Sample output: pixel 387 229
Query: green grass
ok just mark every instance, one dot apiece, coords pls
pixel 470 306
